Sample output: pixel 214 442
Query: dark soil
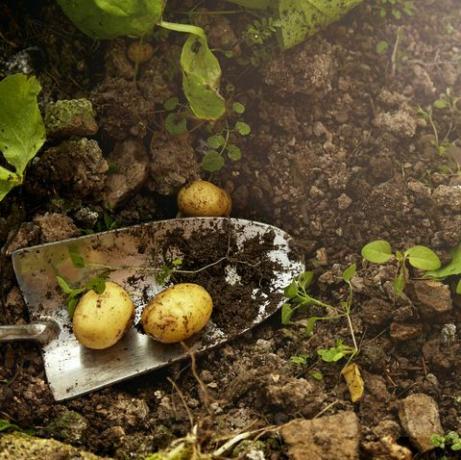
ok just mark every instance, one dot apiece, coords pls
pixel 338 156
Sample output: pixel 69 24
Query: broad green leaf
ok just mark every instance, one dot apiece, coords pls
pixel 291 290
pixel 452 269
pixel 378 252
pixel 201 73
pixel 212 161
pixel 216 141
pixel 97 284
pixel 287 313
pixel 242 128
pixel 175 124
pixel 300 19
pixel 349 273
pixel 170 104
pixel 233 152
pixel 305 279
pixel 423 258
pixel 22 131
pixel 104 19
pixel 237 107
pixel 330 355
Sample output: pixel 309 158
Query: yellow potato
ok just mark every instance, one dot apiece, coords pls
pixel 100 320
pixel 177 313
pixel 202 198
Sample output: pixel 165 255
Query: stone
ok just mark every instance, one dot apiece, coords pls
pixel 19 446
pixel 400 123
pixel 432 298
pixel 325 438
pixel 401 332
pixel 68 426
pixel 419 417
pixel 125 411
pixel 448 197
pixel 131 164
pixel 67 118
pixel 386 449
pixel 27 235
pixel 55 227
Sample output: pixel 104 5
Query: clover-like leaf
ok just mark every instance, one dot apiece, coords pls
pixel 378 252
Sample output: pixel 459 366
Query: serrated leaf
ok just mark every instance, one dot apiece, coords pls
pixel 216 141
pixel 349 273
pixel 233 152
pixel 287 313
pixel 22 131
pixel 354 381
pixel 242 128
pixel 423 258
pixel 104 19
pixel 175 124
pixel 378 252
pixel 170 104
pixel 237 107
pixel 212 161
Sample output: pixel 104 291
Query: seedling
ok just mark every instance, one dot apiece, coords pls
pixel 420 257
pixel 299 298
pixel 166 270
pixel 301 360
pixel 453 268
pixel 97 284
pixel 451 441
pixel 334 354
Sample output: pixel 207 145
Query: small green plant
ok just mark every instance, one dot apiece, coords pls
pixel 396 8
pixel 166 270
pixel 6 425
pixel 450 441
pixel 452 269
pixel 299 298
pixel 261 30
pixel 420 257
pixel 97 284
pixel 334 354
pixel 22 132
pixel 300 360
pixel 382 47
pixel 219 145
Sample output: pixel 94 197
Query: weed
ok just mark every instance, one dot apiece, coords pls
pixel 452 269
pixel 451 441
pixel 166 270
pixel 299 297
pixel 420 257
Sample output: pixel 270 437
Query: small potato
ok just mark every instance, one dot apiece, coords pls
pixel 202 198
pixel 177 313
pixel 100 320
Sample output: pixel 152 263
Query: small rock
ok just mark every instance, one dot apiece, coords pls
pixel 68 426
pixel 432 298
pixel 386 449
pixel 448 334
pixel 419 417
pixel 376 312
pixel 448 197
pixel 56 227
pixel 422 192
pixel 131 164
pixel 125 411
pixel 399 123
pixel 27 235
pixel 401 332
pixel 344 202
pixel 67 118
pixel 325 438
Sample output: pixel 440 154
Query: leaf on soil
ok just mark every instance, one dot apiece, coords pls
pixel 212 161
pixel 399 282
pixel 378 252
pixel 175 124
pixel 349 273
pixel 452 269
pixel 354 381
pixel 423 258
pixel 233 152
pixel 104 19
pixel 287 313
pixel 22 131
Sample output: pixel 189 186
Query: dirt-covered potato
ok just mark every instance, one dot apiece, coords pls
pixel 177 313
pixel 202 198
pixel 100 320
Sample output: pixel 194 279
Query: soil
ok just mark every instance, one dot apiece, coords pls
pixel 338 156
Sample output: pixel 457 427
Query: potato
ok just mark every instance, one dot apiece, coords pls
pixel 202 198
pixel 100 320
pixel 177 313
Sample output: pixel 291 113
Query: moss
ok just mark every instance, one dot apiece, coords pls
pixel 18 446
pixel 68 426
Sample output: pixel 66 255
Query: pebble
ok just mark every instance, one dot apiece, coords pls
pixel 432 298
pixel 401 332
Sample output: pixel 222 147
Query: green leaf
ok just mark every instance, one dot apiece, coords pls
pixel 97 284
pixel 299 359
pixel 253 4
pixel 305 279
pixel 349 273
pixel 71 305
pixel 22 132
pixel 175 124
pixel 458 287
pixel 378 252
pixel 237 107
pixel 452 269
pixel 399 282
pixel 5 425
pixel 317 375
pixel 423 258
pixel 300 19
pixel 287 313
pixel 440 104
pixel 216 141
pixel 212 161
pixel 242 128
pixel 104 19
pixel 77 259
pixel 291 290
pixel 201 73
pixel 382 47
pixel 333 354
pixel 233 152
pixel 170 104
pixel 64 285
pixel 310 325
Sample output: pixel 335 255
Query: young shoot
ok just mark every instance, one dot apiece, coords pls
pixel 420 257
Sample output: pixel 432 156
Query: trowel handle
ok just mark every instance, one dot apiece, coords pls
pixel 41 332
